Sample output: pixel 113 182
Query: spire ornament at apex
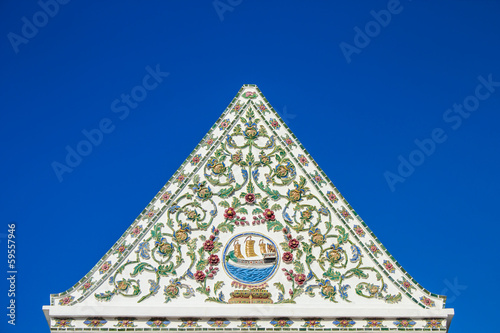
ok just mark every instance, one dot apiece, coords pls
pixel 248 233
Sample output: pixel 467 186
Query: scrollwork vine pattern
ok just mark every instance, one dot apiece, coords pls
pixel 250 182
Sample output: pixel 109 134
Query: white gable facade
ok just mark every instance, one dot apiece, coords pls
pixel 249 234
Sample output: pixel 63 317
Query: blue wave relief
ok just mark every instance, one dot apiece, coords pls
pixel 250 275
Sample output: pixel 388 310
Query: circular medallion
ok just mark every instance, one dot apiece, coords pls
pixel 250 258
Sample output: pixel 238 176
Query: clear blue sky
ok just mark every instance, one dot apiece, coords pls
pixel 356 100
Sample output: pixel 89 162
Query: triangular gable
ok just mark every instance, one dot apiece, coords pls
pixel 249 232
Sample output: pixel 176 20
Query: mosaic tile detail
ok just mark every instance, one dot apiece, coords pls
pixel 66 300
pixel 407 284
pixel 125 323
pixel 190 323
pixel 62 323
pixel 344 323
pixel 218 322
pixel 248 323
pixel 374 324
pixel 427 301
pixel 281 323
pixel 95 322
pixel 290 168
pixel 312 323
pixel 433 323
pixel 404 323
pixel 158 322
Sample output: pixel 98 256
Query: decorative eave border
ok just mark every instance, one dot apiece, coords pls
pixel 366 324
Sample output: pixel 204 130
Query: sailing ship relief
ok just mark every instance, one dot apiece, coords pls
pixel 250 258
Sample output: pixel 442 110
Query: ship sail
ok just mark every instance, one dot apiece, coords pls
pixel 249 250
pixel 237 250
pixel 249 259
pixel 262 246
